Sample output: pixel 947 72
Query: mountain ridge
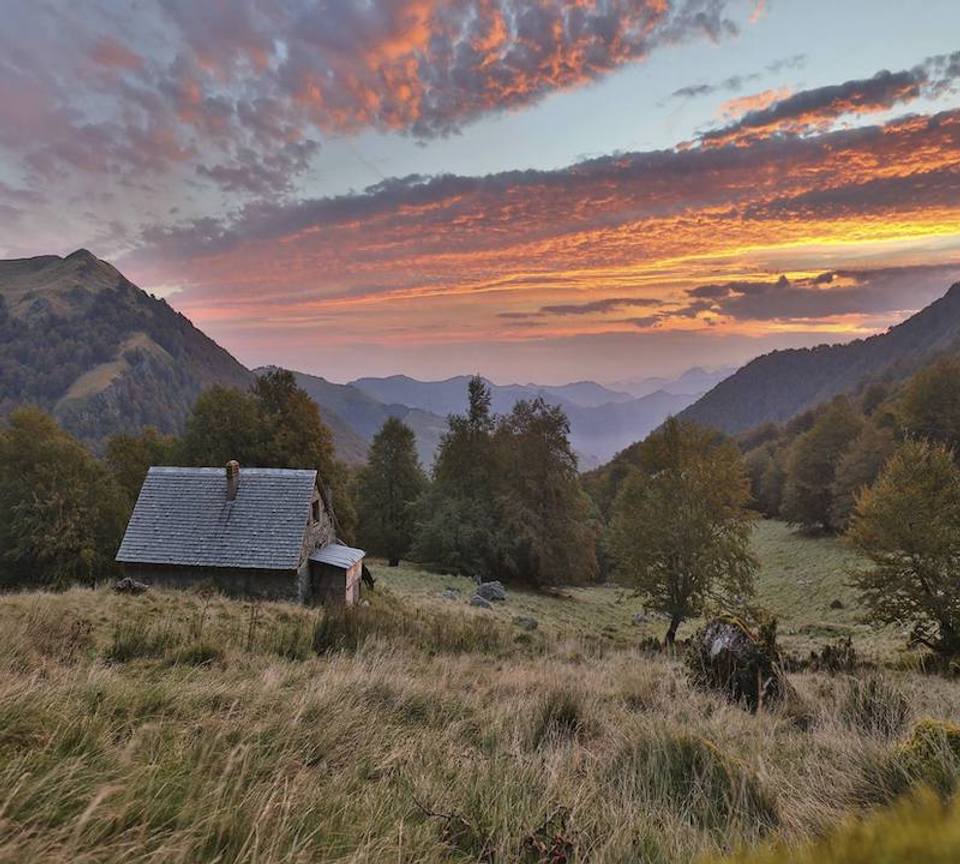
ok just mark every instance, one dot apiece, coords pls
pixel 781 384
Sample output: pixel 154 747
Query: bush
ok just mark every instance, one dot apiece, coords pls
pixel 918 829
pixel 932 756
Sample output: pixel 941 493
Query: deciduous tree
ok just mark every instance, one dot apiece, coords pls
pixel 681 528
pixel 908 524
pixel 61 511
pixel 812 465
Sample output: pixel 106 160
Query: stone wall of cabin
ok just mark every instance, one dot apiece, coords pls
pixel 245 583
pixel 320 533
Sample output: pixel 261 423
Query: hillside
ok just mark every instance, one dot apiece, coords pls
pixel 780 385
pixel 182 726
pixel 80 340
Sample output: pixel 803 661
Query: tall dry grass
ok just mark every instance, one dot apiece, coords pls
pixel 178 728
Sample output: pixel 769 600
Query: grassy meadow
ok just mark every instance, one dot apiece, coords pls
pixel 800 577
pixel 176 727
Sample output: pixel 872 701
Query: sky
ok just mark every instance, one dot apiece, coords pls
pixel 536 190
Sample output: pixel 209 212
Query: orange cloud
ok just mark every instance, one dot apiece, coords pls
pixel 754 102
pixel 441 261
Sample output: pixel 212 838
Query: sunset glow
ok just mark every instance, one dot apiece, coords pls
pixel 789 211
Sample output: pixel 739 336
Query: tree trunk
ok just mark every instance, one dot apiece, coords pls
pixel 393 562
pixel 671 636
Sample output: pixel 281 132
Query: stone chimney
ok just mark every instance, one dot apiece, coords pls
pixel 233 479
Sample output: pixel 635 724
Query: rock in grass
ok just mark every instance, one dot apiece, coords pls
pixel 526 623
pixel 492 591
pixel 450 594
pixel 126 585
pixel 480 602
pixel 724 655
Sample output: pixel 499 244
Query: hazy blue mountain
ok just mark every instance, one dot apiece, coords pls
pixel 693 382
pixel 364 414
pixel 598 429
pixel 780 385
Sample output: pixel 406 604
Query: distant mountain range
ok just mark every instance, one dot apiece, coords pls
pixel 782 384
pixel 602 420
pixel 82 341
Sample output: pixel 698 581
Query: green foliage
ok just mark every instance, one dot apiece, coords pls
pixel 130 456
pixel 857 469
pixel 812 466
pixel 224 425
pixel 274 425
pixel 387 488
pixel 917 829
pixel 295 434
pixel 460 526
pixel 908 525
pixel 767 471
pixel 680 530
pixel 506 500
pixel 61 512
pixel 545 510
pixel 930 404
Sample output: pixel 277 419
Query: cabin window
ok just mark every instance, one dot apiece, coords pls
pixel 315 510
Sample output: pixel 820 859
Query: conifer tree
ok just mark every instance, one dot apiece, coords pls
pixel 388 486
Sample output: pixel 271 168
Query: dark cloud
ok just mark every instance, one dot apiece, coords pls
pixel 238 93
pixel 607 304
pixel 856 292
pixel 817 109
pixel 772 180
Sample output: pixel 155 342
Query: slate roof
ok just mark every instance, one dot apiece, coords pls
pixel 182 518
pixel 338 555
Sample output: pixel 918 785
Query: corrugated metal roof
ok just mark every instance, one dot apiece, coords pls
pixel 338 556
pixel 182 517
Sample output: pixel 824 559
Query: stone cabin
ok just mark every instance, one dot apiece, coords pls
pixel 267 533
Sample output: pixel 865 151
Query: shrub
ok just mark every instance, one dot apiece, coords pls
pixel 873 706
pixel 932 755
pixel 918 829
